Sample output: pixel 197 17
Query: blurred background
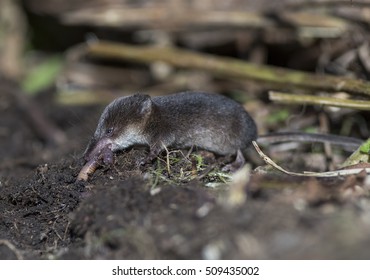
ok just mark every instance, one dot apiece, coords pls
pixel 62 61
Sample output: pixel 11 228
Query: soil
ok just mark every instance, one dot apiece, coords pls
pixel 131 212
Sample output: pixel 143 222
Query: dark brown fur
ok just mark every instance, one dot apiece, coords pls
pixel 182 120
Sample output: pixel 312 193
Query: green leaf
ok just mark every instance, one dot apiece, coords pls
pixel 362 154
pixel 365 147
pixel 43 75
pixel 278 116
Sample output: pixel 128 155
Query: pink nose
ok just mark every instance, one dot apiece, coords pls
pixel 101 150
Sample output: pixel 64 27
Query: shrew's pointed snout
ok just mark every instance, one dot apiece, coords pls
pixel 96 149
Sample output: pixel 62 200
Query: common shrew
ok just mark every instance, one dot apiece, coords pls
pixel 182 120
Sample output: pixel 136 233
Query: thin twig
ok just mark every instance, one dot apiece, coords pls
pixel 287 98
pixel 167 159
pixel 34 115
pixel 163 18
pixel 66 231
pixel 55 231
pixel 8 244
pixel 228 67
pixel 335 173
pixel 300 5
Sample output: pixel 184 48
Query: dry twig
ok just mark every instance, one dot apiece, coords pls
pixel 34 115
pixel 319 100
pixel 8 244
pixel 335 173
pixel 228 67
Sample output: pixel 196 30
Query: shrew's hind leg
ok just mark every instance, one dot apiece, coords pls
pixel 154 151
pixel 236 164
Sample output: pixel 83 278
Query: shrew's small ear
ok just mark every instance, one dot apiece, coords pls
pixel 146 105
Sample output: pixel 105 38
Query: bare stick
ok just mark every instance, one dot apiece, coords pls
pixel 163 18
pixel 8 244
pixel 228 67
pixel 167 159
pixel 335 173
pixel 42 126
pixel 319 100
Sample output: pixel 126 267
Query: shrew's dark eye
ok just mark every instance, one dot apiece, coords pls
pixel 109 131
